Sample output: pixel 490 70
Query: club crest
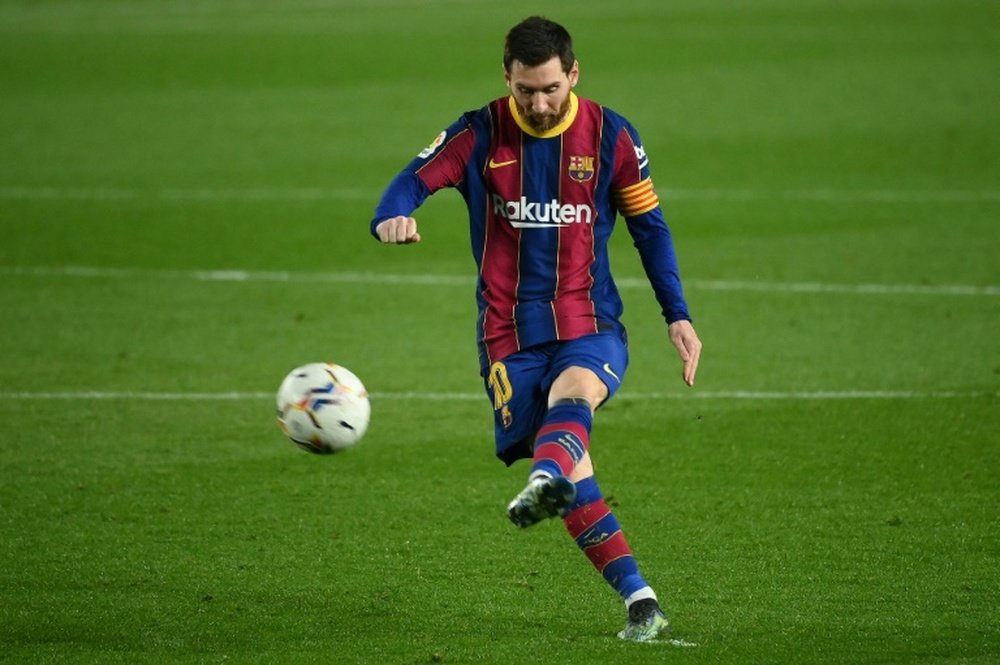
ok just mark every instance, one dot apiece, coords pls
pixel 581 168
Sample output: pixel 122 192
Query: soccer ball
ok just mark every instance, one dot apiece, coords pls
pixel 323 408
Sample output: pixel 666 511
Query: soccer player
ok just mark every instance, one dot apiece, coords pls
pixel 544 174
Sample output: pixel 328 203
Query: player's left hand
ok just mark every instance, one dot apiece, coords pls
pixel 685 339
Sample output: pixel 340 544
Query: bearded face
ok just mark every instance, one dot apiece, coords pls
pixel 542 93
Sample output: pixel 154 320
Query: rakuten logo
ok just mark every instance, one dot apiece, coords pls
pixel 526 214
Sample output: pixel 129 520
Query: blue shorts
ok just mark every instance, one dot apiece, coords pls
pixel 519 384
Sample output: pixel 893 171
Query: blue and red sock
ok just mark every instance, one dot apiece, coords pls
pixel 597 532
pixel 563 439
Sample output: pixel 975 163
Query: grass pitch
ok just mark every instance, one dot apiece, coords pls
pixel 184 196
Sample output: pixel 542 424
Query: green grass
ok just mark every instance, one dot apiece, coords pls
pixel 827 493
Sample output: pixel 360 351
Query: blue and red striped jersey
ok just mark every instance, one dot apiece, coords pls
pixel 542 207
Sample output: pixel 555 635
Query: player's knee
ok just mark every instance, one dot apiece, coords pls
pixel 578 383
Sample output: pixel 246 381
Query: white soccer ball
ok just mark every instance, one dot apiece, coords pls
pixel 323 407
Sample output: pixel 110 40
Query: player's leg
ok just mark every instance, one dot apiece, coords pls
pixel 573 390
pixel 588 518
pixel 597 532
pixel 560 446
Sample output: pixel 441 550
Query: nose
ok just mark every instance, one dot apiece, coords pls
pixel 538 104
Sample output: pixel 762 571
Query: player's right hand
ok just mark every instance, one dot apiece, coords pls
pixel 398 231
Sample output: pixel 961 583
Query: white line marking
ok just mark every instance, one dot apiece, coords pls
pixel 873 289
pixel 834 195
pixel 814 395
pixel 181 195
pixel 293 194
pixel 462 280
pixel 829 395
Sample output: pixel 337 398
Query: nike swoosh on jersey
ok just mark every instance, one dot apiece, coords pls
pixel 496 165
pixel 607 368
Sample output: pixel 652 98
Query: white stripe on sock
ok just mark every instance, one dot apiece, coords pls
pixel 642 594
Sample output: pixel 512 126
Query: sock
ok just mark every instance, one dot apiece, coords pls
pixel 563 439
pixel 596 531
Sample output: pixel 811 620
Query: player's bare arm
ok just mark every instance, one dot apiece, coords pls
pixel 398 231
pixel 685 339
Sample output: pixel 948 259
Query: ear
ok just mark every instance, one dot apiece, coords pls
pixel 574 73
pixel 506 76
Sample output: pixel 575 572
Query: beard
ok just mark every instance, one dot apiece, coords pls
pixel 543 122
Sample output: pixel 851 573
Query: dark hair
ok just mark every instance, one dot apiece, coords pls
pixel 536 40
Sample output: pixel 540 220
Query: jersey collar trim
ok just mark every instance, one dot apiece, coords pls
pixel 574 106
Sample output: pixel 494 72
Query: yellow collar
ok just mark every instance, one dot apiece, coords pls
pixel 574 105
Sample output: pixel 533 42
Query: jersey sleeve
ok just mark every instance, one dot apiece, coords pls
pixel 441 164
pixel 637 201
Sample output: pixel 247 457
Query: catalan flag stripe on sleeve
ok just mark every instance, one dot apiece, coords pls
pixel 637 199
